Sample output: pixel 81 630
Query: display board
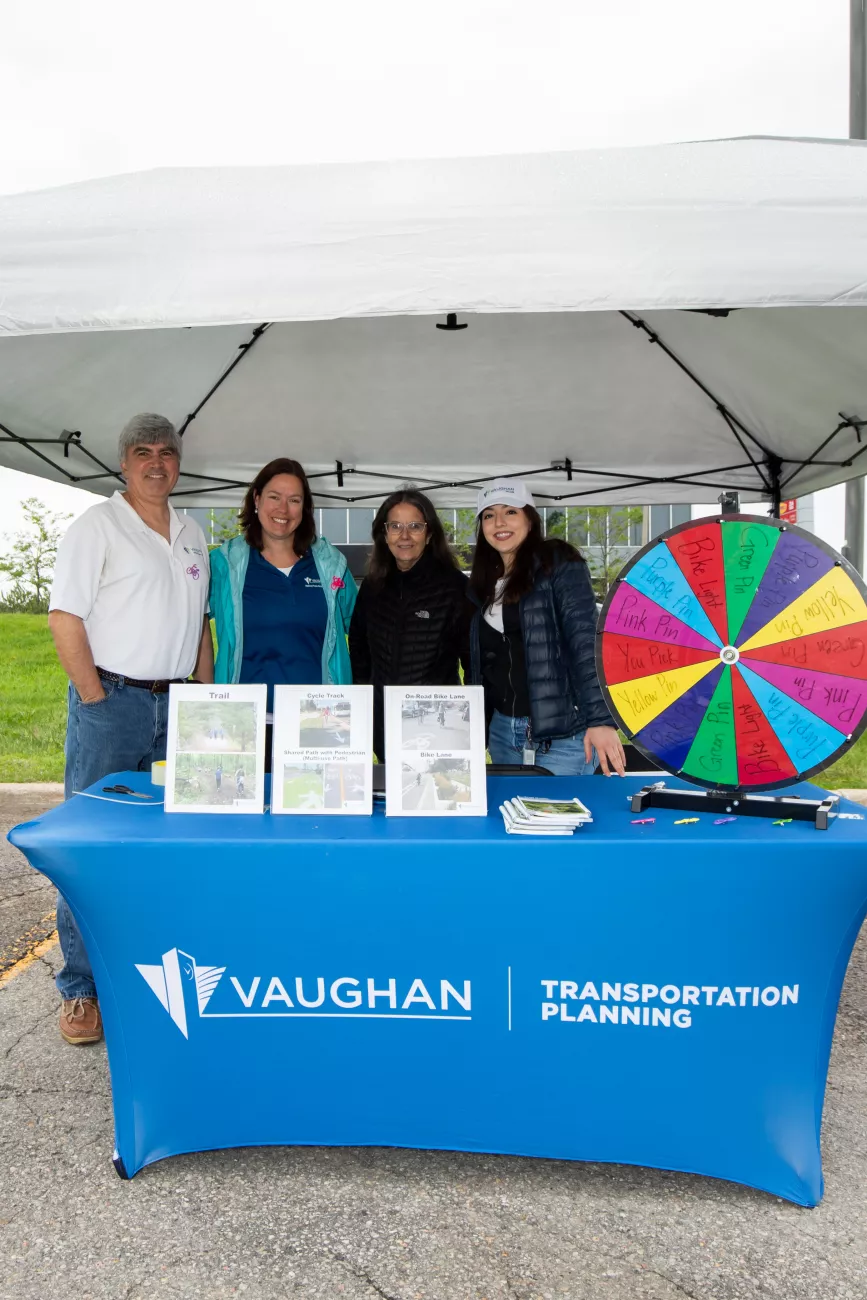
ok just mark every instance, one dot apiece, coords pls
pixel 435 751
pixel 322 753
pixel 733 652
pixel 215 756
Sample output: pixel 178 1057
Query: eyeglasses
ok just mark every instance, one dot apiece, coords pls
pixel 394 527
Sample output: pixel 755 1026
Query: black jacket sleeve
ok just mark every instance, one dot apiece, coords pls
pixel 575 607
pixel 359 646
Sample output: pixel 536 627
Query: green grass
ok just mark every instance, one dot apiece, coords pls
pixel 32 701
pixel 297 788
pixel 33 710
pixel 850 772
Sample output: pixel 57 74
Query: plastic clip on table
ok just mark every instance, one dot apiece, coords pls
pixel 632 994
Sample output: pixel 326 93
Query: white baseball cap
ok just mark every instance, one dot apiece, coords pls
pixel 504 492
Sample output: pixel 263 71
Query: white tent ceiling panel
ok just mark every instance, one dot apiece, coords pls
pixel 731 222
pixel 403 396
pixel 92 383
pixel 138 292
pixel 788 374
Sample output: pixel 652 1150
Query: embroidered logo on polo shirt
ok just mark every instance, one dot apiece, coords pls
pixel 422 613
pixel 312 582
pixel 194 571
pixel 193 550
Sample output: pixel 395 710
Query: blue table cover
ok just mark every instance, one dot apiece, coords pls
pixel 656 995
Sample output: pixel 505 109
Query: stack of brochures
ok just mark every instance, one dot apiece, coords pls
pixel 524 816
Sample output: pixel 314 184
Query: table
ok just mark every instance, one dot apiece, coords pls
pixel 656 995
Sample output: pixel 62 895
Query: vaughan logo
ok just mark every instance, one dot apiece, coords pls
pixel 187 991
pixel 168 983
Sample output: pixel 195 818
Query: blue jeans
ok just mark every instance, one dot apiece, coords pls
pixel 125 732
pixel 507 740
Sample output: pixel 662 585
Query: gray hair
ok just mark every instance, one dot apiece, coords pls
pixel 147 430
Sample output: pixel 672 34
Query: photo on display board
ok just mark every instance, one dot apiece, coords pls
pixel 429 723
pixel 323 750
pixel 325 723
pixel 215 759
pixel 435 751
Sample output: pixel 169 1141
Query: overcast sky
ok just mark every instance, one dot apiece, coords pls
pixel 92 87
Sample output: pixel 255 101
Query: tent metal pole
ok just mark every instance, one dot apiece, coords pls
pixel 648 482
pixel 56 442
pixel 736 426
pixel 216 486
pixel 845 423
pixel 243 349
pixel 857 70
pixel 775 467
pixel 626 482
pixel 853 546
pixel 22 442
pixel 109 473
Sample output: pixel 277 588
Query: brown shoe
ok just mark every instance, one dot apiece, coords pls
pixel 80 1021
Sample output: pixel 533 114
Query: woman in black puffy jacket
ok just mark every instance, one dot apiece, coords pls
pixel 533 642
pixel 411 615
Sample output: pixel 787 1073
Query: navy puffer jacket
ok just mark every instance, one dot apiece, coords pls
pixel 558 622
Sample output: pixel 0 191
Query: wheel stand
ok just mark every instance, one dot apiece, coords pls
pixel 818 811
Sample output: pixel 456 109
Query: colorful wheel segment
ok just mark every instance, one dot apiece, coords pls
pixel 733 652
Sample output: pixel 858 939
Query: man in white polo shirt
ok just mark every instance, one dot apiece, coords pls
pixel 128 617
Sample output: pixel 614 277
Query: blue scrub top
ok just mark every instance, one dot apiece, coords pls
pixel 285 616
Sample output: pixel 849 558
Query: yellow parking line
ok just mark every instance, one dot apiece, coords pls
pixel 35 953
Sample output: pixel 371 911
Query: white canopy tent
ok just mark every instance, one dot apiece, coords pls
pixel 632 325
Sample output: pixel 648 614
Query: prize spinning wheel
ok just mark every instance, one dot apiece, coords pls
pixel 733 652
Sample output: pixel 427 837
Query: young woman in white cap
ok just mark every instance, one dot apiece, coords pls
pixel 532 642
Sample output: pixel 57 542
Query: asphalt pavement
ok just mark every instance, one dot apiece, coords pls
pixel 418 794
pixel 428 733
pixel 336 736
pixel 26 898
pixel 275 1223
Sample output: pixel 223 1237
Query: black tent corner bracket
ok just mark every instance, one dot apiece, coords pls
pixel 852 423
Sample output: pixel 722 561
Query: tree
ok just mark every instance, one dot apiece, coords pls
pixel 223 526
pixel 31 557
pixel 601 533
pixel 461 535
pixel 557 522
pixel 608 542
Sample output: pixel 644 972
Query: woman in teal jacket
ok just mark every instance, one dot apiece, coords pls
pixel 280 598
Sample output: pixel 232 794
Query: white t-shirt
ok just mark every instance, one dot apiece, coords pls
pixel 142 599
pixel 494 611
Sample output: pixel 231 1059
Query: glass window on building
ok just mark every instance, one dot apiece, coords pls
pixel 664 517
pixel 449 520
pixel 660 520
pixel 578 526
pixel 360 521
pixel 622 526
pixel 333 525
pixel 556 522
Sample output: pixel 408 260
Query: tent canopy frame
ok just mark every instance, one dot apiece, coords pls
pixel 769 468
